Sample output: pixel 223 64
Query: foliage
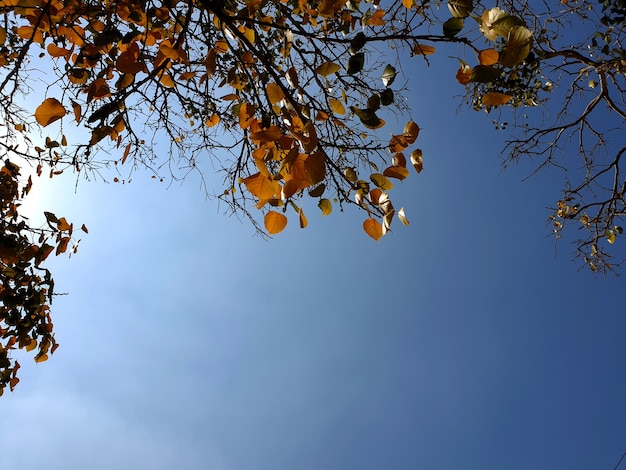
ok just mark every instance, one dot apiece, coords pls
pixel 286 98
pixel 26 289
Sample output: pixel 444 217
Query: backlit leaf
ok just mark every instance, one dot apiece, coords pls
pixel 49 111
pixel 373 228
pixel 274 93
pixel 496 99
pixel 488 57
pixel 325 206
pixel 261 186
pixel 381 181
pixel 336 106
pixel 275 222
pixel 327 68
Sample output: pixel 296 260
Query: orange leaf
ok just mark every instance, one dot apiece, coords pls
pixel 261 186
pixel 98 89
pixel 270 134
pixel 463 75
pixel 488 57
pixel 496 99
pixel 398 172
pixel 49 111
pixel 275 222
pixel 373 228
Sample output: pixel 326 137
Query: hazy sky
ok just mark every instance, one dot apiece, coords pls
pixel 467 340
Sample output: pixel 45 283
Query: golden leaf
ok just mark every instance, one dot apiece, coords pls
pixel 496 99
pixel 411 131
pixel 275 222
pixel 381 181
pixel 325 206
pixel 274 93
pixel 261 187
pixel 398 172
pixel 337 106
pixel 327 68
pixel 49 111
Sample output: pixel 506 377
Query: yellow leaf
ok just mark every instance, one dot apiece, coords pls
pixel 303 221
pixel 336 106
pixel 221 47
pixel 488 57
pixel 274 93
pixel 327 68
pixel 49 111
pixel 408 3
pixel 325 206
pixel 261 186
pixel 275 222
pixel 496 99
pixel 381 181
pixel 610 236
pixel 373 228
pixel 212 121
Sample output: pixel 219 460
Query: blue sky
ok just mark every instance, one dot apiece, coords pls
pixel 467 340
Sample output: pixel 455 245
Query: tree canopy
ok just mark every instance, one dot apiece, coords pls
pixel 289 100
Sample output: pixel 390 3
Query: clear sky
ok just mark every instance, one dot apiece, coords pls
pixel 468 340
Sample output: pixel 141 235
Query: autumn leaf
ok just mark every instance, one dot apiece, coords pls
pixel 275 222
pixel 327 68
pixel 488 57
pixel 325 206
pixel 416 160
pixel 49 111
pixel 381 181
pixel 373 228
pixel 496 99
pixel 303 220
pixel 398 172
pixel 423 49
pixel 261 187
pixel 411 131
